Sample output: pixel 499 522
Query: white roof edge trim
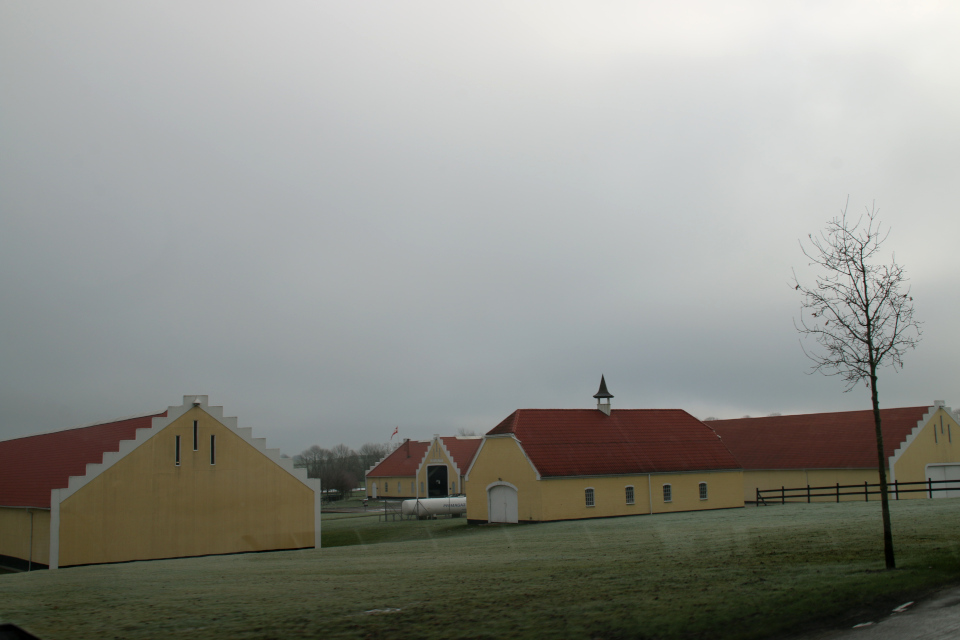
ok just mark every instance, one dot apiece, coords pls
pixel 446 452
pixel 390 453
pixel 931 411
pixel 110 458
pixel 466 476
pixel 84 426
pixel 501 435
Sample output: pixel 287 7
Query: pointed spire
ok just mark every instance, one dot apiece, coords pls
pixel 601 395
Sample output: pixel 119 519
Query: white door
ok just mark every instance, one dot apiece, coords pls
pixel 945 472
pixel 502 504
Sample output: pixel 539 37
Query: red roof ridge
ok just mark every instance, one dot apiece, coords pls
pixel 153 414
pixel 834 440
pixel 588 442
pixel 824 413
pixel 32 467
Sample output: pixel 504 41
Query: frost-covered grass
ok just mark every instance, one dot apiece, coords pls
pixel 744 573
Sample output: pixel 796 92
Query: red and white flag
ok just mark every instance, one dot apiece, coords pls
pixel 395 432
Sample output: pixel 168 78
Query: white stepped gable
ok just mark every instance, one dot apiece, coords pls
pixel 110 458
pixel 453 462
pixel 914 433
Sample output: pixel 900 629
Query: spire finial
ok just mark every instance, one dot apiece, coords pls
pixel 603 394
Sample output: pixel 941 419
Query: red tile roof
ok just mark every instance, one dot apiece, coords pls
pixel 30 467
pixel 845 440
pixel 402 462
pixel 405 460
pixel 462 450
pixel 586 442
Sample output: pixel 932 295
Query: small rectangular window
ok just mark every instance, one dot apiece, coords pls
pixel 177 454
pixel 421 487
pixel 667 493
pixel 213 449
pixel 196 435
pixel 629 495
pixel 588 496
pixel 386 487
pixel 413 487
pixel 703 490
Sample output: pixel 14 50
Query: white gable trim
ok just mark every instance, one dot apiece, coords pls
pixel 927 417
pixel 476 456
pixel 110 458
pixel 446 452
pixel 388 454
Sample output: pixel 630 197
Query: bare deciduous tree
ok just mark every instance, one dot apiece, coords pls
pixel 341 468
pixel 371 453
pixel 860 314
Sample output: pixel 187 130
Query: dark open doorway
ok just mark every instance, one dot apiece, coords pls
pixel 437 481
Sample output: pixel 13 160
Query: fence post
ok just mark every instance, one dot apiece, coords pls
pixel 930 488
pixel 808 494
pixel 783 494
pixel 838 493
pixel 896 489
pixel 866 493
pixel 758 496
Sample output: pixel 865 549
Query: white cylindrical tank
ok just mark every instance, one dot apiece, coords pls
pixel 454 506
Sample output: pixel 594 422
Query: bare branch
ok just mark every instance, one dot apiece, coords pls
pixel 858 311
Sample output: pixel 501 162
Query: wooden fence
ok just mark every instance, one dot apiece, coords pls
pixel 806 494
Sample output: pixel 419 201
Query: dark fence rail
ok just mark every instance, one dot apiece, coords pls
pixel 933 488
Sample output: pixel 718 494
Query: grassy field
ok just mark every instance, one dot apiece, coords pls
pixel 744 573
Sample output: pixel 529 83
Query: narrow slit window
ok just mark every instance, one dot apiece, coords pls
pixel 177 454
pixel 667 493
pixel 588 496
pixel 949 436
pixel 630 495
pixel 703 490
pixel 935 441
pixel 213 449
pixel 196 435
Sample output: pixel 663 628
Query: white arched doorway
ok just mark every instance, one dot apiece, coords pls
pixel 502 502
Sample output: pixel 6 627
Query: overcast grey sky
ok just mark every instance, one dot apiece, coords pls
pixel 338 218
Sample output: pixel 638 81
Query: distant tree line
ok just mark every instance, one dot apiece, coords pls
pixel 341 469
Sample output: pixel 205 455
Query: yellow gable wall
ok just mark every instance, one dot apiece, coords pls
pixel 500 459
pixel 938 441
pixel 15 534
pixel 145 506
pixel 935 443
pixel 436 456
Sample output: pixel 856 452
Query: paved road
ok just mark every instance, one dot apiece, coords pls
pixel 936 618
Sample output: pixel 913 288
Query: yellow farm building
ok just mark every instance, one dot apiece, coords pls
pixel 829 449
pixel 562 464
pixel 423 469
pixel 183 482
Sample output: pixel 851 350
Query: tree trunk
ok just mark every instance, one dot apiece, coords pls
pixel 882 468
